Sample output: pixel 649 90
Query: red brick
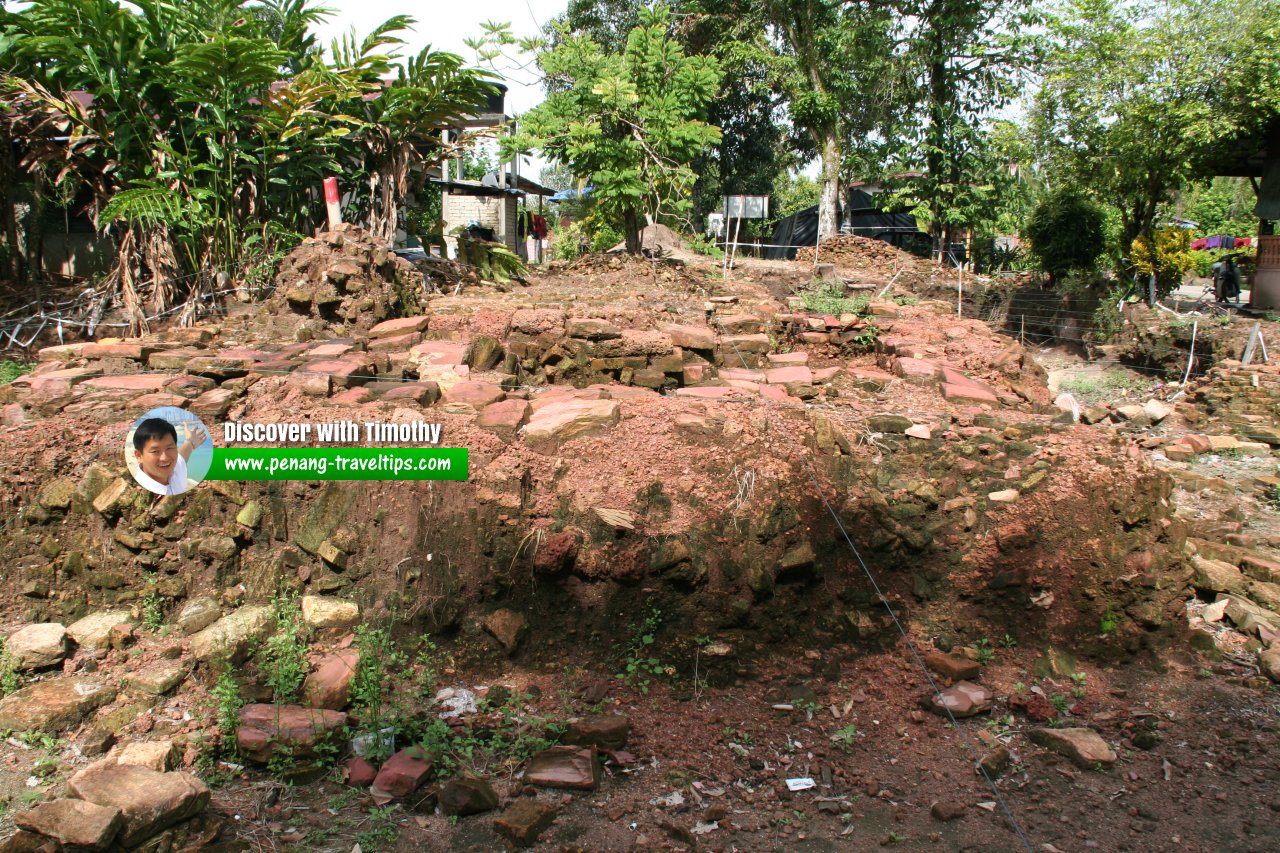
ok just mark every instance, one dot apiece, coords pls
pixel 397 342
pixel 403 773
pixel 130 382
pixel 504 418
pixel 786 375
pixel 968 394
pixel 399 326
pixel 917 371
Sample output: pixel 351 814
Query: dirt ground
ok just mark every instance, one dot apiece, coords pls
pixel 711 750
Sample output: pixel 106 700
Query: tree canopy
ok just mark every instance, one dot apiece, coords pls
pixel 631 122
pixel 201 131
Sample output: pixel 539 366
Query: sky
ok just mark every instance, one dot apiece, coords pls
pixel 444 26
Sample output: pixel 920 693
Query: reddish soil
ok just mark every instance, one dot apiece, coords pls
pixel 1194 733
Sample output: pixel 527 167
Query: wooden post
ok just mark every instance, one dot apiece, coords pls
pixel 331 203
pixel 1191 356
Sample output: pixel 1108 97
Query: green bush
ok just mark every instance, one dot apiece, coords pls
pixel 605 238
pixel 11 370
pixel 829 298
pixel 1066 232
pixel 283 659
pixel 1167 253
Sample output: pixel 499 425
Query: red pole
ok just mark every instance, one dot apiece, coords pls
pixel 331 202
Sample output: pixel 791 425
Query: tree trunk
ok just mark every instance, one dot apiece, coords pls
pixel 936 136
pixel 14 270
pixel 828 226
pixel 35 226
pixel 631 226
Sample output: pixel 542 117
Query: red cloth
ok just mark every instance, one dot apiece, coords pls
pixel 540 227
pixel 1197 245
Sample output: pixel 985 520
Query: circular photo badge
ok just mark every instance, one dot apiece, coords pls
pixel 168 450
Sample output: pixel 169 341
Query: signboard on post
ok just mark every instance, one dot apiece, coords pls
pixel 746 207
pixel 740 207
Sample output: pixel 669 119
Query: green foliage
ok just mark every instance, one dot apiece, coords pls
pixel 1110 621
pixel 705 247
pixel 604 237
pixel 1167 254
pixel 152 607
pixel 639 666
pixel 630 121
pixel 11 370
pixel 212 119
pixel 1008 641
pixel 10 681
pixel 1218 206
pixel 227 704
pixel 567 243
pixel 492 261
pixel 829 298
pixel 1065 231
pixel 966 60
pixel 373 688
pixel 985 653
pixel 283 658
pixel 1138 99
pixel 793 193
pixel 382 831
pixel 1103 387
pixel 844 737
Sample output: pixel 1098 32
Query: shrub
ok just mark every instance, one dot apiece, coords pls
pixel 1167 253
pixel 1066 232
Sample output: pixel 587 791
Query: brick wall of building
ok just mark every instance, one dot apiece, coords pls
pixel 498 213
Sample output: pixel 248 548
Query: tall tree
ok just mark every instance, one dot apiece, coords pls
pixel 970 57
pixel 751 153
pixel 836 67
pixel 1140 98
pixel 631 121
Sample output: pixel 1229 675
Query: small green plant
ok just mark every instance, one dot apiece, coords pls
pixel 383 831
pixel 11 370
pixel 1060 702
pixel 906 299
pixel 10 681
pixel 1008 642
pixel 639 666
pixel 152 607
pixel 1100 387
pixel 844 737
pixel 829 298
pixel 1081 682
pixel 703 246
pixel 31 796
pixel 1110 621
pixel 866 336
pixel 283 659
pixel 227 702
pixel 985 653
pixel 373 690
